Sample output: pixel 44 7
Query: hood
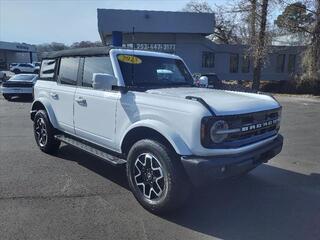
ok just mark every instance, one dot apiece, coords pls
pixel 223 102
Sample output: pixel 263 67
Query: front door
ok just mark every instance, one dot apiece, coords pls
pixel 95 110
pixel 26 67
pixel 94 115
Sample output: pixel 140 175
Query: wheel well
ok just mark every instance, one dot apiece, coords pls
pixel 140 133
pixel 36 107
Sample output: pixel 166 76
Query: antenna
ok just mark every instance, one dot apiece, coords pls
pixel 133 40
pixel 132 68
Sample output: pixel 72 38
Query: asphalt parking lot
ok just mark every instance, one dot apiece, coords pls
pixel 75 196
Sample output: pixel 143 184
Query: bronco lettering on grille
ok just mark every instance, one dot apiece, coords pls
pixel 259 125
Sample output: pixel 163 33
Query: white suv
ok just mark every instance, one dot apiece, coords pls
pixel 24 68
pixel 141 109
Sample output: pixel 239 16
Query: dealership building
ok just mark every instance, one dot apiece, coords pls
pixel 186 34
pixel 12 52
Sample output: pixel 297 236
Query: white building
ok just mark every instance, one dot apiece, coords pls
pixel 185 34
pixel 12 52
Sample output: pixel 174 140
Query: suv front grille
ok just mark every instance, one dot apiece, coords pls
pixel 253 119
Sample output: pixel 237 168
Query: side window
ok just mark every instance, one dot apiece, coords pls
pixel 280 63
pixel 207 60
pixel 95 65
pixel 47 69
pixel 292 63
pixel 234 63
pixel 68 71
pixel 245 64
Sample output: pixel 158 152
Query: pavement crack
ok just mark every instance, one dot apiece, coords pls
pixel 48 197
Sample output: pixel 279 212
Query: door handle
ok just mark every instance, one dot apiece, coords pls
pixel 81 101
pixel 54 95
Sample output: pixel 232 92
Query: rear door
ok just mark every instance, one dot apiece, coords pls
pixel 95 110
pixel 62 94
pixel 25 67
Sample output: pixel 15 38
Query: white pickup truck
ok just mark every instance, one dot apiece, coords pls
pixel 141 109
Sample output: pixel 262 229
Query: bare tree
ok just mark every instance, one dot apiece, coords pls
pixel 225 27
pixel 248 25
pixel 253 21
pixel 260 45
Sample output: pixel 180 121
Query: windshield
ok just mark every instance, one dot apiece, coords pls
pixel 144 71
pixel 26 77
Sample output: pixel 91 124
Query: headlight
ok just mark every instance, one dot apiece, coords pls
pixel 217 131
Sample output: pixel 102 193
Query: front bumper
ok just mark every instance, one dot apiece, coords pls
pixel 200 169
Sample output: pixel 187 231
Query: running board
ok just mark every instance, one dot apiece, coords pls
pixel 114 160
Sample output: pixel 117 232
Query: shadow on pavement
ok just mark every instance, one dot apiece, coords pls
pixel 21 99
pixel 269 203
pixel 112 173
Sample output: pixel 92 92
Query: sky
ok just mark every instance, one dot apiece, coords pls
pixel 66 21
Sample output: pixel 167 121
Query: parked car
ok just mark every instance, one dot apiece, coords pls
pixel 213 80
pixel 19 85
pixel 141 109
pixel 24 68
pixel 3 76
pixel 209 80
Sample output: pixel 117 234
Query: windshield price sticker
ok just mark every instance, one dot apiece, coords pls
pixel 129 59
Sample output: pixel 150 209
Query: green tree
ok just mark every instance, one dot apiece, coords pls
pixel 85 44
pixel 311 60
pixel 295 18
pixel 301 18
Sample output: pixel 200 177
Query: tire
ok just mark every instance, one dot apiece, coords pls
pixel 44 133
pixel 7 97
pixel 148 160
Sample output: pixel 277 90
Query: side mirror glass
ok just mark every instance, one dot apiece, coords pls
pixel 203 81
pixel 103 81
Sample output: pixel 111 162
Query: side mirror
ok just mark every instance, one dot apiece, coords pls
pixel 103 81
pixel 203 81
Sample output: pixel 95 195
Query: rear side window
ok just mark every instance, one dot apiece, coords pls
pixel 95 65
pixel 26 65
pixel 23 77
pixel 68 71
pixel 47 69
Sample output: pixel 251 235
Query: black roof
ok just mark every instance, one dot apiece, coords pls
pixel 77 52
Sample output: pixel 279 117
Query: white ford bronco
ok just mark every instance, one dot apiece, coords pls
pixel 141 109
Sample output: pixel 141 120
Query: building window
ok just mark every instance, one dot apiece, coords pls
pixel 280 63
pixel 207 60
pixel 292 63
pixel 245 68
pixel 234 63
